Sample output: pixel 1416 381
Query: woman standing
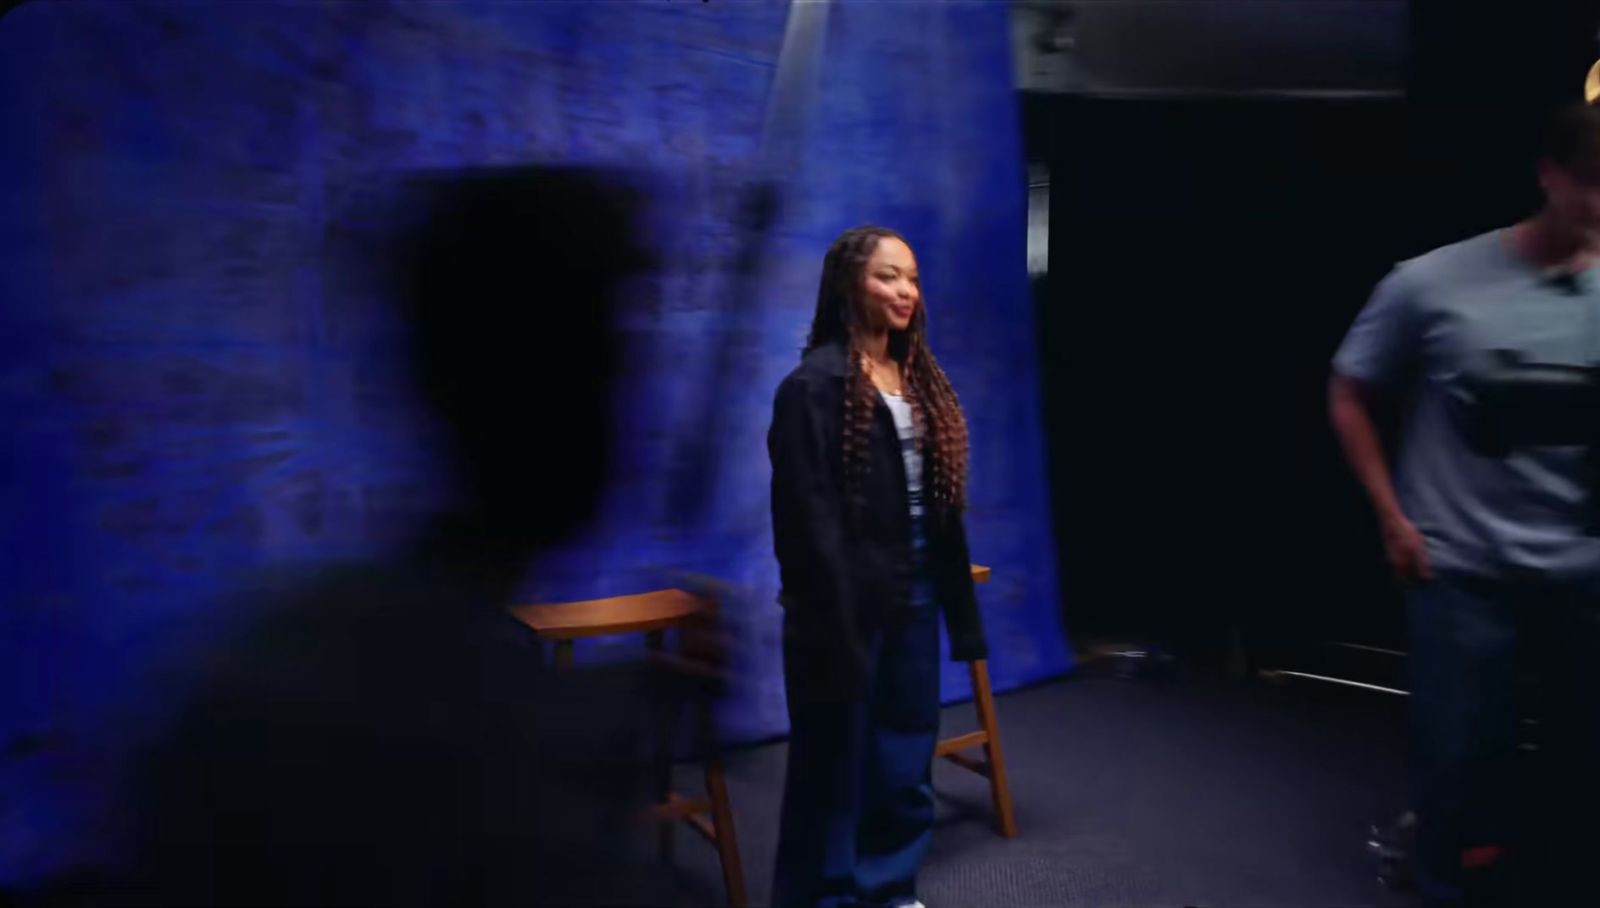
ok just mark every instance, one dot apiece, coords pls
pixel 869 473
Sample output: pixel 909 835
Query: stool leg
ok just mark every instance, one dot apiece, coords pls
pixel 656 641
pixel 999 789
pixel 563 655
pixel 722 816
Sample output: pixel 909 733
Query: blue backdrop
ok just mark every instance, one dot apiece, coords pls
pixel 194 383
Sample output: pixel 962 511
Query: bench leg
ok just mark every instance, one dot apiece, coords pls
pixel 999 789
pixel 663 755
pixel 727 841
pixel 722 816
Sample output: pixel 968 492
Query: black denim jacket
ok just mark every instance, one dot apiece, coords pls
pixel 841 581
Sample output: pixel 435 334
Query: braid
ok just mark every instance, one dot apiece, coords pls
pixel 839 319
pixel 858 410
pixel 936 400
pixel 936 412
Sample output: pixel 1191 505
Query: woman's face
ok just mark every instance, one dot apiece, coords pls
pixel 890 291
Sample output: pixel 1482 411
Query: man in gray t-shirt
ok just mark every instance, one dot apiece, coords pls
pixel 1491 516
pixel 1441 320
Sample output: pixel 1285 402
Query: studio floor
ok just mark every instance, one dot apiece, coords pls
pixel 1136 793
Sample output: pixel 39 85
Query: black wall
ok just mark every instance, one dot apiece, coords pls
pixel 1206 257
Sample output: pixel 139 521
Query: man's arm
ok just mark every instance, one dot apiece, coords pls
pixel 1350 411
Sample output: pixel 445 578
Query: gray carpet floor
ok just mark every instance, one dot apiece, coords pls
pixel 1133 793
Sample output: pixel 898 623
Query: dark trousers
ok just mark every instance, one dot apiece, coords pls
pixel 858 804
pixel 1484 655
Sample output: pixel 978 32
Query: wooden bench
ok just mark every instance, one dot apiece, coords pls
pixel 653 614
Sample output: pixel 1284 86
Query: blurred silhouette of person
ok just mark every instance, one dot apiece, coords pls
pixel 1489 520
pixel 384 734
pixel 869 474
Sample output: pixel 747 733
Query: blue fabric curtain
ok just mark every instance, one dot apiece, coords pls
pixel 198 382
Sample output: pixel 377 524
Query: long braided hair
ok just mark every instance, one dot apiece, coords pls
pixel 936 413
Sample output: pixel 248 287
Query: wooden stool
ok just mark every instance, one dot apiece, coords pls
pixel 653 614
pixel 993 766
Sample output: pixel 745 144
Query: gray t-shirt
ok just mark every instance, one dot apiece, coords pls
pixel 1435 320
